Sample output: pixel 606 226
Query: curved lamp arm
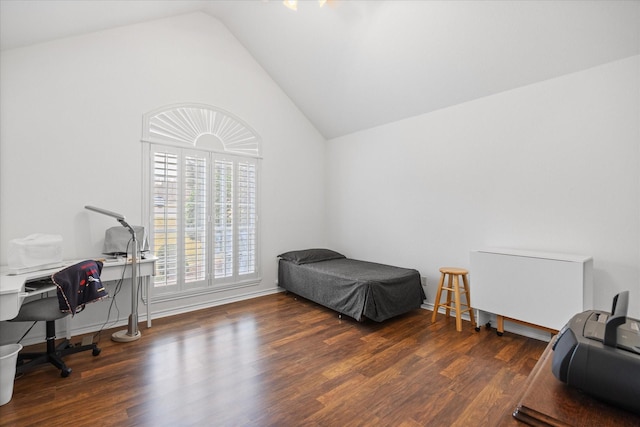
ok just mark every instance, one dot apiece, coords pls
pixel 119 217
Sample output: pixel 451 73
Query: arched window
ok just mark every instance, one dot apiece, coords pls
pixel 201 198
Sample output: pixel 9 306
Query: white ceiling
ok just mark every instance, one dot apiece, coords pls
pixel 353 65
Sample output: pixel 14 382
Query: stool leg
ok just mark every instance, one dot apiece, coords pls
pixel 456 291
pixel 450 286
pixel 465 280
pixel 438 295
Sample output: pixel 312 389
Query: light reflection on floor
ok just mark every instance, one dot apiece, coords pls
pixel 230 355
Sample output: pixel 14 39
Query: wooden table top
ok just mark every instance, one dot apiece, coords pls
pixel 547 401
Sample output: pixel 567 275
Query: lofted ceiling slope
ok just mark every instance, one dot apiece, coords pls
pixel 353 65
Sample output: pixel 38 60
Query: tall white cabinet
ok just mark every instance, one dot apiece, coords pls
pixel 536 288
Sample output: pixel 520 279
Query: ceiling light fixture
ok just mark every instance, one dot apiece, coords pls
pixel 293 4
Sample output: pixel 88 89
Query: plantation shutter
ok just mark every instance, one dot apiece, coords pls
pixel 247 217
pixel 195 215
pixel 164 232
pixel 223 218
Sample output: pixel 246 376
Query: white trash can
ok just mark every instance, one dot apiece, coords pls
pixel 8 360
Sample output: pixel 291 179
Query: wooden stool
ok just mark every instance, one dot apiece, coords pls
pixel 453 285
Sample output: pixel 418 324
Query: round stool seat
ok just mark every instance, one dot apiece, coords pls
pixel 454 270
pixel 42 309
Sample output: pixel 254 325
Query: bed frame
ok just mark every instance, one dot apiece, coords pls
pixel 351 287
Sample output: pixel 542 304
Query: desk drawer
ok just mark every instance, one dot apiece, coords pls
pixel 10 304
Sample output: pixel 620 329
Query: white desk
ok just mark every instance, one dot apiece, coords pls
pixel 536 288
pixel 13 293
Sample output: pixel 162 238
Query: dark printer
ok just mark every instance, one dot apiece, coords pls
pixel 599 353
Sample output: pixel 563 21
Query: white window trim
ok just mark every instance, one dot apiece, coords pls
pixel 181 126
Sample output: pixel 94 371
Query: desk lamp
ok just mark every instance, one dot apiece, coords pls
pixel 132 333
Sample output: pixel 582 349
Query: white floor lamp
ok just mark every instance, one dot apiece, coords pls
pixel 132 333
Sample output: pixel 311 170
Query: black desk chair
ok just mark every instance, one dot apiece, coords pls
pixel 48 310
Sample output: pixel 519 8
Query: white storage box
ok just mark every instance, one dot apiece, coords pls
pixel 35 252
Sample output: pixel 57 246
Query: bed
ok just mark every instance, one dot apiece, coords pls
pixel 358 289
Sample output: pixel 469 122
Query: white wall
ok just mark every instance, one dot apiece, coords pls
pixel 71 122
pixel 553 166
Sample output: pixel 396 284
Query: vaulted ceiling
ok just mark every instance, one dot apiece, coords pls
pixel 353 65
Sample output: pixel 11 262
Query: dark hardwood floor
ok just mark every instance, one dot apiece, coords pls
pixel 279 360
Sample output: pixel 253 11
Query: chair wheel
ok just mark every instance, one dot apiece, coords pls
pixel 500 333
pixel 477 328
pixel 96 351
pixel 64 372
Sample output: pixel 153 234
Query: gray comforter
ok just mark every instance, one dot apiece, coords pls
pixel 355 288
